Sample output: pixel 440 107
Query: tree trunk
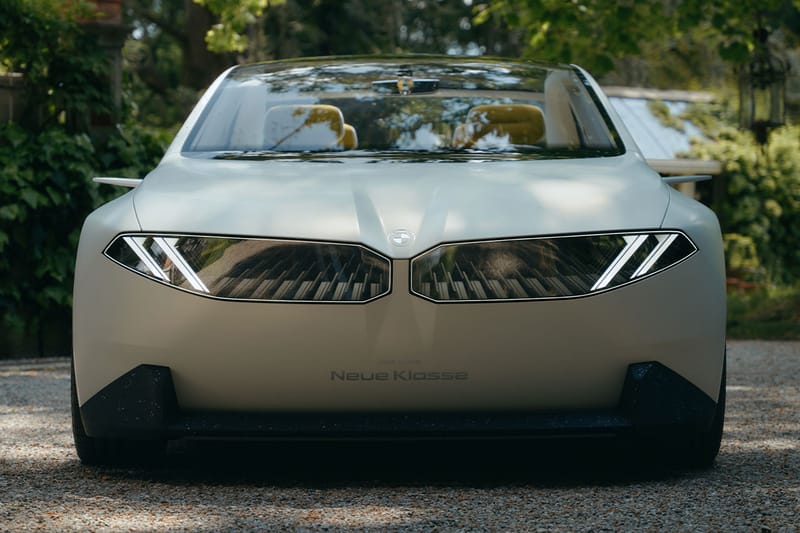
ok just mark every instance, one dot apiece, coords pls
pixel 200 67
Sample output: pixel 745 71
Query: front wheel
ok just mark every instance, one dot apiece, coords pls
pixel 96 451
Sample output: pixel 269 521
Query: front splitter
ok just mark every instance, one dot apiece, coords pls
pixel 142 404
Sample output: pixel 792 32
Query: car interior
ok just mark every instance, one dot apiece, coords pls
pixel 250 118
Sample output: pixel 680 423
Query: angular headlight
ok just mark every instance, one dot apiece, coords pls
pixel 256 269
pixel 542 268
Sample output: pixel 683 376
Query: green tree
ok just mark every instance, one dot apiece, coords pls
pixel 591 32
pixel 235 18
pixel 181 25
pixel 65 73
pixel 47 159
pixel 760 213
pixel 597 33
pixel 270 29
pixel 165 67
pixel 166 58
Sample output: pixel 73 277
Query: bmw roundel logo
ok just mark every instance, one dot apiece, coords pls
pixel 401 237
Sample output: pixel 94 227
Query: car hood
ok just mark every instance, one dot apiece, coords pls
pixel 382 204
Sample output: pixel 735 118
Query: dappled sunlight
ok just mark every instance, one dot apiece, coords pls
pixel 28 410
pixel 579 196
pixel 739 388
pixel 776 434
pixel 34 436
pixel 146 508
pixel 423 138
pixel 204 486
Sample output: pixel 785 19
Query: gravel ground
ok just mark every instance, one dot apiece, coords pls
pixel 755 485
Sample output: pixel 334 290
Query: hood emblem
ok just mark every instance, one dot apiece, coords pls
pixel 401 237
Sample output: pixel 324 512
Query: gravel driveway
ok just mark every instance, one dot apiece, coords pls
pixel 755 485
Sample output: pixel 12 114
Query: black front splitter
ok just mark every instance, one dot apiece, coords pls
pixel 142 404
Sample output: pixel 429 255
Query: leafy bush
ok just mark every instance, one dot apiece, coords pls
pixel 760 210
pixel 43 193
pixel 48 158
pixel 765 313
pixel 741 255
pixel 66 73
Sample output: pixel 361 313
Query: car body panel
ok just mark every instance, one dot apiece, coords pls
pixel 359 202
pixel 531 355
pixel 399 353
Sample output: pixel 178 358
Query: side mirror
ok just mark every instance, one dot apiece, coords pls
pixel 119 182
pixel 686 179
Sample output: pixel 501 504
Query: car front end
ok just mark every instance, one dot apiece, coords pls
pixel 289 294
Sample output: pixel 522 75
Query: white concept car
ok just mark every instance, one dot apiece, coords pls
pixel 402 248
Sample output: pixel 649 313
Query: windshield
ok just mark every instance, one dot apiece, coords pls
pixel 358 108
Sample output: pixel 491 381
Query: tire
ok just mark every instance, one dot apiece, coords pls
pixel 95 451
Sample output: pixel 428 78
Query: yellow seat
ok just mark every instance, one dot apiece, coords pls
pixel 303 127
pixel 349 138
pixel 500 125
pixel 308 127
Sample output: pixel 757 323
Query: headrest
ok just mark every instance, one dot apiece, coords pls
pixel 303 127
pixel 350 138
pixel 502 123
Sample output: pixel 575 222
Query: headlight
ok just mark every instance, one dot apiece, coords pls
pixel 256 269
pixel 542 268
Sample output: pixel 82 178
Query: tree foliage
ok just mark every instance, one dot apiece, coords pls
pixel 48 158
pixel 171 44
pixel 235 16
pixel 164 42
pixel 591 32
pixel 65 72
pixel 760 210
pixel 598 33
pixel 606 37
pixel 273 29
pixel 178 47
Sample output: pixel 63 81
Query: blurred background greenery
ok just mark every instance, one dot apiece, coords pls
pixel 99 88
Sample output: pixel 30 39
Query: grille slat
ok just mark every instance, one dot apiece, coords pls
pixel 322 290
pixel 303 290
pixel 304 272
pixel 374 289
pixel 497 288
pixel 517 289
pixel 258 269
pixel 556 267
pixel 535 287
pixel 558 287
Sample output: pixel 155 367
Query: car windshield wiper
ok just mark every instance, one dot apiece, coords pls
pixel 523 152
pixel 243 154
pixel 257 155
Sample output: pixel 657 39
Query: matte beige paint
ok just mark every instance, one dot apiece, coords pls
pixel 535 355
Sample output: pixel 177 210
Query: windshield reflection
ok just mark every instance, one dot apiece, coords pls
pixel 356 109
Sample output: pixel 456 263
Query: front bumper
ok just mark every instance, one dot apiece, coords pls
pixel 142 404
pixel 560 356
pixel 568 355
